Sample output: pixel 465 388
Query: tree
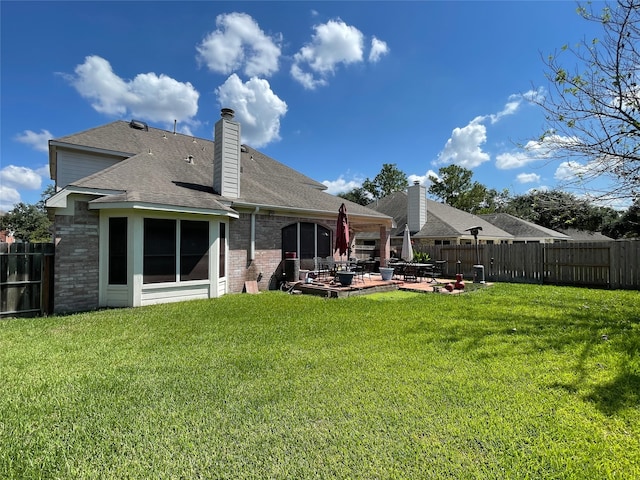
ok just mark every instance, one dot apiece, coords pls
pixel 559 210
pixel 389 180
pixel 29 223
pixel 593 109
pixel 628 225
pixel 454 186
pixel 357 195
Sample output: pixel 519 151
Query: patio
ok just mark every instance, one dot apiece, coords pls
pixel 367 284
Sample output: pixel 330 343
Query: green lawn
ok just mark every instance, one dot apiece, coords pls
pixel 511 381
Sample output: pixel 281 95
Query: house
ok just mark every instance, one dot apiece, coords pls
pixel 6 236
pixel 524 231
pixel 143 216
pixel 430 223
pixel 575 235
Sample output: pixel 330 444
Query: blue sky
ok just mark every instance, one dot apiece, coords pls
pixel 332 89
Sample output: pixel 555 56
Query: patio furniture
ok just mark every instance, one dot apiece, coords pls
pixel 439 268
pixel 410 272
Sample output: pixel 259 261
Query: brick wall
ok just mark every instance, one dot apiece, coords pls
pixel 268 250
pixel 76 260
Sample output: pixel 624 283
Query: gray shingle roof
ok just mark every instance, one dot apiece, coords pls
pixel 522 229
pixel 443 221
pixel 157 171
pixel 576 235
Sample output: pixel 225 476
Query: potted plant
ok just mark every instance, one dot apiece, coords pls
pixel 386 272
pixel 345 277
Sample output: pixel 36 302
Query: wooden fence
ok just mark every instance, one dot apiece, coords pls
pixel 614 264
pixel 26 279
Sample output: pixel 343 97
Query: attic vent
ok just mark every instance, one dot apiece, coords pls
pixel 138 125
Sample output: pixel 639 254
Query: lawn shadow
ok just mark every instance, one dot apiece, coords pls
pixel 622 392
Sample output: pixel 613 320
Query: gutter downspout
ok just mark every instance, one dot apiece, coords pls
pixel 252 247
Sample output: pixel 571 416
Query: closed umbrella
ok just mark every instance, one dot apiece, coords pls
pixel 342 231
pixel 407 249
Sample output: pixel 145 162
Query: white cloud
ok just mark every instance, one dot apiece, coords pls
pixel 239 44
pixel 20 177
pixel 533 151
pixel 528 178
pixel 378 49
pixel 333 43
pixel 535 96
pixel 38 141
pixel 341 185
pixel 14 178
pixel 422 179
pixel 464 146
pixel 510 160
pixel 257 108
pixel 571 170
pixel 8 198
pixel 148 96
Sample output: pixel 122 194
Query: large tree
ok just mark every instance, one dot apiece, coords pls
pixel 455 187
pixel 389 180
pixel 28 222
pixel 628 225
pixel 357 195
pixel 593 106
pixel 560 210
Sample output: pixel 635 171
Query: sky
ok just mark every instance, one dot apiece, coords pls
pixel 332 89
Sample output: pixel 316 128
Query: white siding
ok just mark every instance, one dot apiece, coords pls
pixel 226 164
pixel 117 296
pixel 72 166
pixel 152 294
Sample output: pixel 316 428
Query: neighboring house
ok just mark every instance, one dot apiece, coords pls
pixel 143 216
pixel 576 235
pixel 6 236
pixel 430 223
pixel 522 230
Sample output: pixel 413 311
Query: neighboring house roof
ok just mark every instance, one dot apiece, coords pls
pixel 156 170
pixel 576 235
pixel 443 221
pixel 522 229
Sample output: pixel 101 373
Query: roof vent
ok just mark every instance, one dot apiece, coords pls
pixel 138 125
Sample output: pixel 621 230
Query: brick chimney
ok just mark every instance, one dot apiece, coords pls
pixel 416 207
pixel 226 155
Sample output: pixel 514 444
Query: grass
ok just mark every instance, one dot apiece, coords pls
pixel 511 381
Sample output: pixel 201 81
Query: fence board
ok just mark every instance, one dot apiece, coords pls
pixel 614 264
pixel 26 274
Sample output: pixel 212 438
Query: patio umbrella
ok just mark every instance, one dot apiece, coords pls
pixel 407 249
pixel 342 231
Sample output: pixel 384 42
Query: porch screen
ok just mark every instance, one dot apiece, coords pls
pixel 194 250
pixel 159 250
pixel 117 251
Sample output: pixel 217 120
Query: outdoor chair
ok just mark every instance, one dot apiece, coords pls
pixel 439 268
pixel 410 273
pixel 427 272
pixel 320 267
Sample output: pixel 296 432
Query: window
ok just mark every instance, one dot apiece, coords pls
pixel 159 250
pixel 162 260
pixel 194 250
pixel 308 240
pixel 223 250
pixel 117 251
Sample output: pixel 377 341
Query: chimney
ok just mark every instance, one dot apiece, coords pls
pixel 226 155
pixel 416 206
